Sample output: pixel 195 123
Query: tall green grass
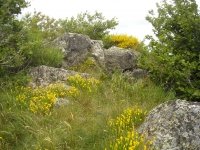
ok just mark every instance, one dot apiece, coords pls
pixel 83 124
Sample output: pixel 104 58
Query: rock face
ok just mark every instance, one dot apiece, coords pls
pixel 44 75
pixel 174 125
pixel 97 52
pixel 120 59
pixel 78 47
pixel 75 47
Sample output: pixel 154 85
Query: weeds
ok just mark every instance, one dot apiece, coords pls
pixel 123 133
pixel 84 123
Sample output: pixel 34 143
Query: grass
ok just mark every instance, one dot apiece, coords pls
pixel 81 125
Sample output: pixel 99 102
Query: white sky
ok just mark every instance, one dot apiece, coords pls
pixel 130 14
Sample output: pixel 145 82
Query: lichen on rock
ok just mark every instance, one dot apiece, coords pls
pixel 174 125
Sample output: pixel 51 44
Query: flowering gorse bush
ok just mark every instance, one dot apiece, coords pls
pixel 122 40
pixel 128 119
pixel 42 99
pixel 131 140
pixel 124 134
pixel 84 84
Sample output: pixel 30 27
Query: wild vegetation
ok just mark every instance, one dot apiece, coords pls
pixel 96 26
pixel 123 41
pixel 174 55
pixel 98 114
pixel 104 110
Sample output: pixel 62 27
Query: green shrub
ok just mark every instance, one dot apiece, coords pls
pixel 12 80
pixel 96 26
pixel 49 28
pixel 41 31
pixel 173 57
pixel 43 55
pixel 11 35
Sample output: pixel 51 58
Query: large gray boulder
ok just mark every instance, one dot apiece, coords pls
pixel 120 59
pixel 44 75
pixel 75 47
pixel 174 125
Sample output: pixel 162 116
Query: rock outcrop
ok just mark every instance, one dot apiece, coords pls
pixel 75 47
pixel 97 52
pixel 44 75
pixel 120 59
pixel 174 125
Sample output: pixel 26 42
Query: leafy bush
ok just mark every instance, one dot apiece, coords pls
pixel 11 35
pixel 121 40
pixel 173 57
pixel 12 80
pixel 41 31
pixel 49 28
pixel 39 54
pixel 96 26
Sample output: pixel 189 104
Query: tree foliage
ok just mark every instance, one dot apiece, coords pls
pixel 96 26
pixel 11 36
pixel 174 57
pixel 48 27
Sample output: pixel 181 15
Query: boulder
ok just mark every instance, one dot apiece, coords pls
pixel 44 75
pixel 174 125
pixel 120 59
pixel 97 51
pixel 75 47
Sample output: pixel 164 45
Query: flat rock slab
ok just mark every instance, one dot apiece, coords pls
pixel 44 75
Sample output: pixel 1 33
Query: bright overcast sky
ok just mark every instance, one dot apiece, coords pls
pixel 130 14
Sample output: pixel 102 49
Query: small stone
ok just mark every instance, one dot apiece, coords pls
pixel 61 102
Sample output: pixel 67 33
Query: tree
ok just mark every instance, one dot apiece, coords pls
pixel 11 36
pixel 95 26
pixel 174 57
